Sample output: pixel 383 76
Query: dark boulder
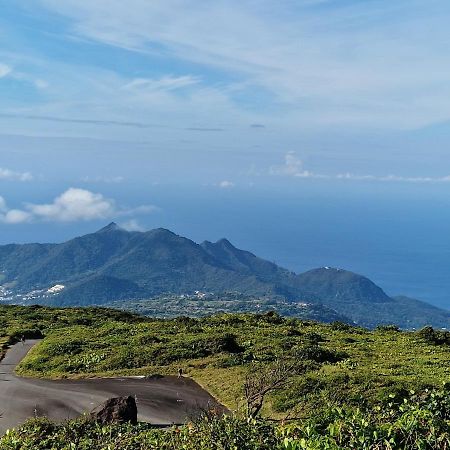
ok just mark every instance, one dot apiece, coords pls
pixel 116 410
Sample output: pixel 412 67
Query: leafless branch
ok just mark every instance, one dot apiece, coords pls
pixel 261 381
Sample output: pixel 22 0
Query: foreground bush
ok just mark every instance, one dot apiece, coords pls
pixel 411 421
pixel 209 433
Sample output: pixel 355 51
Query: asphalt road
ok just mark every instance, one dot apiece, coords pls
pixel 160 401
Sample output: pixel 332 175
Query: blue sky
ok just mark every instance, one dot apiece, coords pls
pixel 102 99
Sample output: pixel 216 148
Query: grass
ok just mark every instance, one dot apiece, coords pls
pixel 340 365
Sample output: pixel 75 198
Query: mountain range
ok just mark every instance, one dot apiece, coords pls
pixel 114 264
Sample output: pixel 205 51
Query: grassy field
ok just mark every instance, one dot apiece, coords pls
pixel 337 364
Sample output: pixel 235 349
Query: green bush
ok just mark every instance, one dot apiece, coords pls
pixel 319 354
pixel 65 348
pixel 435 337
pixel 211 432
pixel 340 326
pixel 388 328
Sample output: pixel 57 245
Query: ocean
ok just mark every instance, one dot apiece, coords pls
pixel 397 235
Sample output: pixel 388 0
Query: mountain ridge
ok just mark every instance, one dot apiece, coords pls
pixel 114 264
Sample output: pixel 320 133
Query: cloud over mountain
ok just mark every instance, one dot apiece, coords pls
pixel 73 205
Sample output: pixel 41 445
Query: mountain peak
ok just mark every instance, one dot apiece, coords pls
pixel 110 227
pixel 162 232
pixel 225 243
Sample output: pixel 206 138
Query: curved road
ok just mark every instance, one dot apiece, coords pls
pixel 161 401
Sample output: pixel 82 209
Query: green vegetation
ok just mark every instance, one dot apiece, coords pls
pixel 348 387
pixel 410 421
pixel 37 322
pixel 168 306
pixel 335 364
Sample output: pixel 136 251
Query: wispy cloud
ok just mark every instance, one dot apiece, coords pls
pixel 81 121
pixel 420 179
pixel 12 175
pixel 370 67
pixel 8 71
pixel 293 167
pixel 132 225
pixel 203 129
pixel 104 179
pixel 226 184
pixel 73 205
pixel 115 123
pixel 4 70
pixel 166 83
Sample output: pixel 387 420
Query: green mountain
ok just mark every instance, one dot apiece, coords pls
pixel 366 303
pixel 113 264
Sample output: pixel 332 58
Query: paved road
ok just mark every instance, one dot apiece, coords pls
pixel 162 401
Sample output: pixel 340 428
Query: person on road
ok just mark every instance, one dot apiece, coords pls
pixel 22 339
pixel 180 373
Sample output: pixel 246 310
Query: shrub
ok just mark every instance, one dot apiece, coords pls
pixel 388 328
pixel 340 326
pixel 314 338
pixel 435 337
pixel 319 354
pixel 65 348
pixel 28 333
pixel 224 343
pixel 209 432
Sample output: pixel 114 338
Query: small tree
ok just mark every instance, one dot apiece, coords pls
pixel 261 380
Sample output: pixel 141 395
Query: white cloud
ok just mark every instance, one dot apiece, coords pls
pixel 15 216
pixel 419 179
pixel 41 84
pixel 143 209
pixel 102 179
pixel 11 175
pixel 293 167
pixel 3 206
pixel 71 206
pixel 4 70
pixel 132 225
pixel 226 184
pixel 167 83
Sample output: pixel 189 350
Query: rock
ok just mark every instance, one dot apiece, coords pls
pixel 116 410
